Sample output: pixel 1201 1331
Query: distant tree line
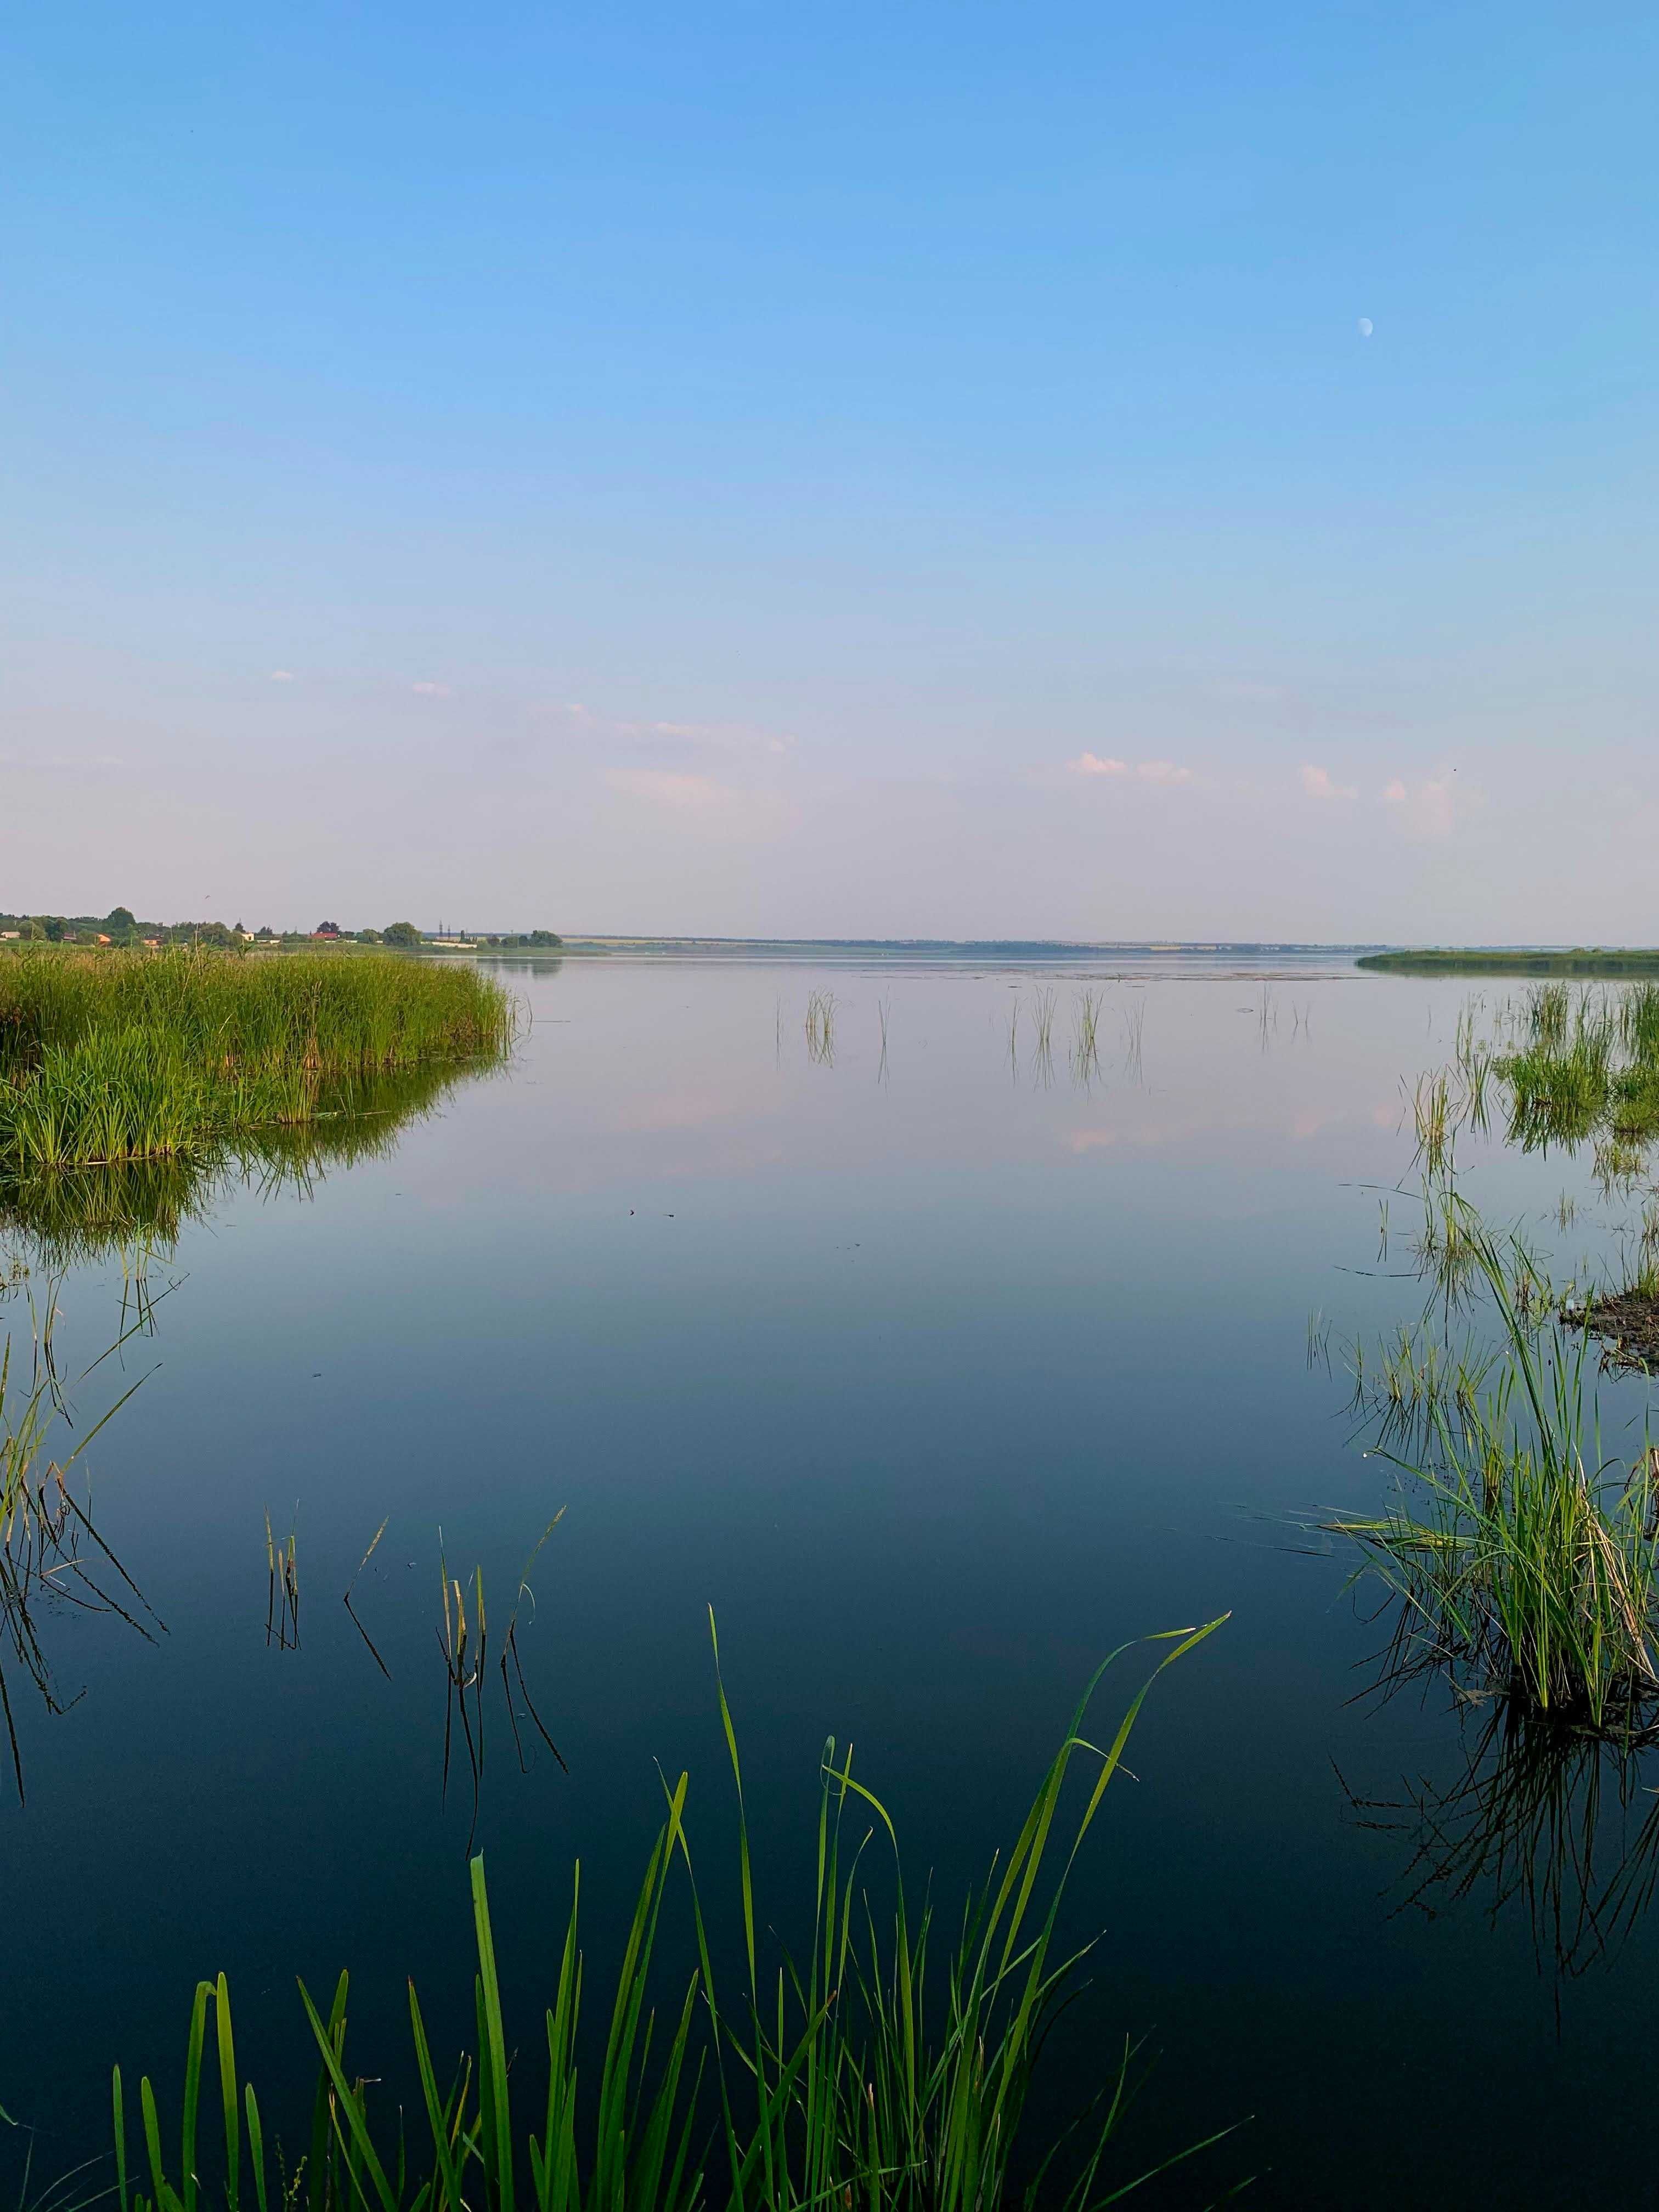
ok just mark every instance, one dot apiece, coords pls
pixel 120 926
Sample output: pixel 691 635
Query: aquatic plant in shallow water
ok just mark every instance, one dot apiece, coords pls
pixel 846 2078
pixel 1518 1558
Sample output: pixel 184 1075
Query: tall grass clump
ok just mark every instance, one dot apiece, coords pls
pixel 121 1056
pixel 1579 1063
pixel 865 2073
pixel 1519 1558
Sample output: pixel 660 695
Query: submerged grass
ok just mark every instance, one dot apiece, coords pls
pixel 116 1057
pixel 845 2078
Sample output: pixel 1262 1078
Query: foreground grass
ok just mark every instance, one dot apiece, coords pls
pixel 118 1056
pixel 849 2078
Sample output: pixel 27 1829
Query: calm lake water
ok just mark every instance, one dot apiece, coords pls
pixel 936 1377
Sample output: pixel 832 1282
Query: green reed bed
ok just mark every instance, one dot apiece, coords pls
pixel 1520 1558
pixel 121 1056
pixel 1515 960
pixel 868 2073
pixel 1583 1065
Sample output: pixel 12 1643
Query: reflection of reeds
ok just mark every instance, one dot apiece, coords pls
pixel 1319 1342
pixel 50 1550
pixel 1134 1024
pixel 1085 1034
pixel 882 1009
pixel 1042 1052
pixel 847 2078
pixel 820 1028
pixel 1522 1825
pixel 138 1208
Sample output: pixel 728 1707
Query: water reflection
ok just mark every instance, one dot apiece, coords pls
pixel 52 1556
pixel 136 1210
pixel 1545 1821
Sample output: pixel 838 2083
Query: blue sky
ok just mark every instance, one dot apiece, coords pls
pixel 877 471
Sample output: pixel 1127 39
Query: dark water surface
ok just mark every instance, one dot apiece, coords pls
pixel 936 1379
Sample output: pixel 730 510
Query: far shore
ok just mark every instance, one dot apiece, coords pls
pixel 1516 960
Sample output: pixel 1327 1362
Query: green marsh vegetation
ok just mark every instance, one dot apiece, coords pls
pixel 865 2071
pixel 115 1057
pixel 1582 1066
pixel 1522 1562
pixel 1582 961
pixel 1518 1562
pixel 1519 1557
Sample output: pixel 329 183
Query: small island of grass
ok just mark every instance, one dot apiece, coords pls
pixel 1515 960
pixel 114 1055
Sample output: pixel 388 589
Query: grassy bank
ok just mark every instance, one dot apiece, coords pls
pixel 1513 960
pixel 118 1056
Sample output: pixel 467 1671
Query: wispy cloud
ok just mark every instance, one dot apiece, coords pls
pixel 1428 810
pixel 1318 783
pixel 282 676
pixel 703 804
pixel 709 737
pixel 427 690
pixel 1152 771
